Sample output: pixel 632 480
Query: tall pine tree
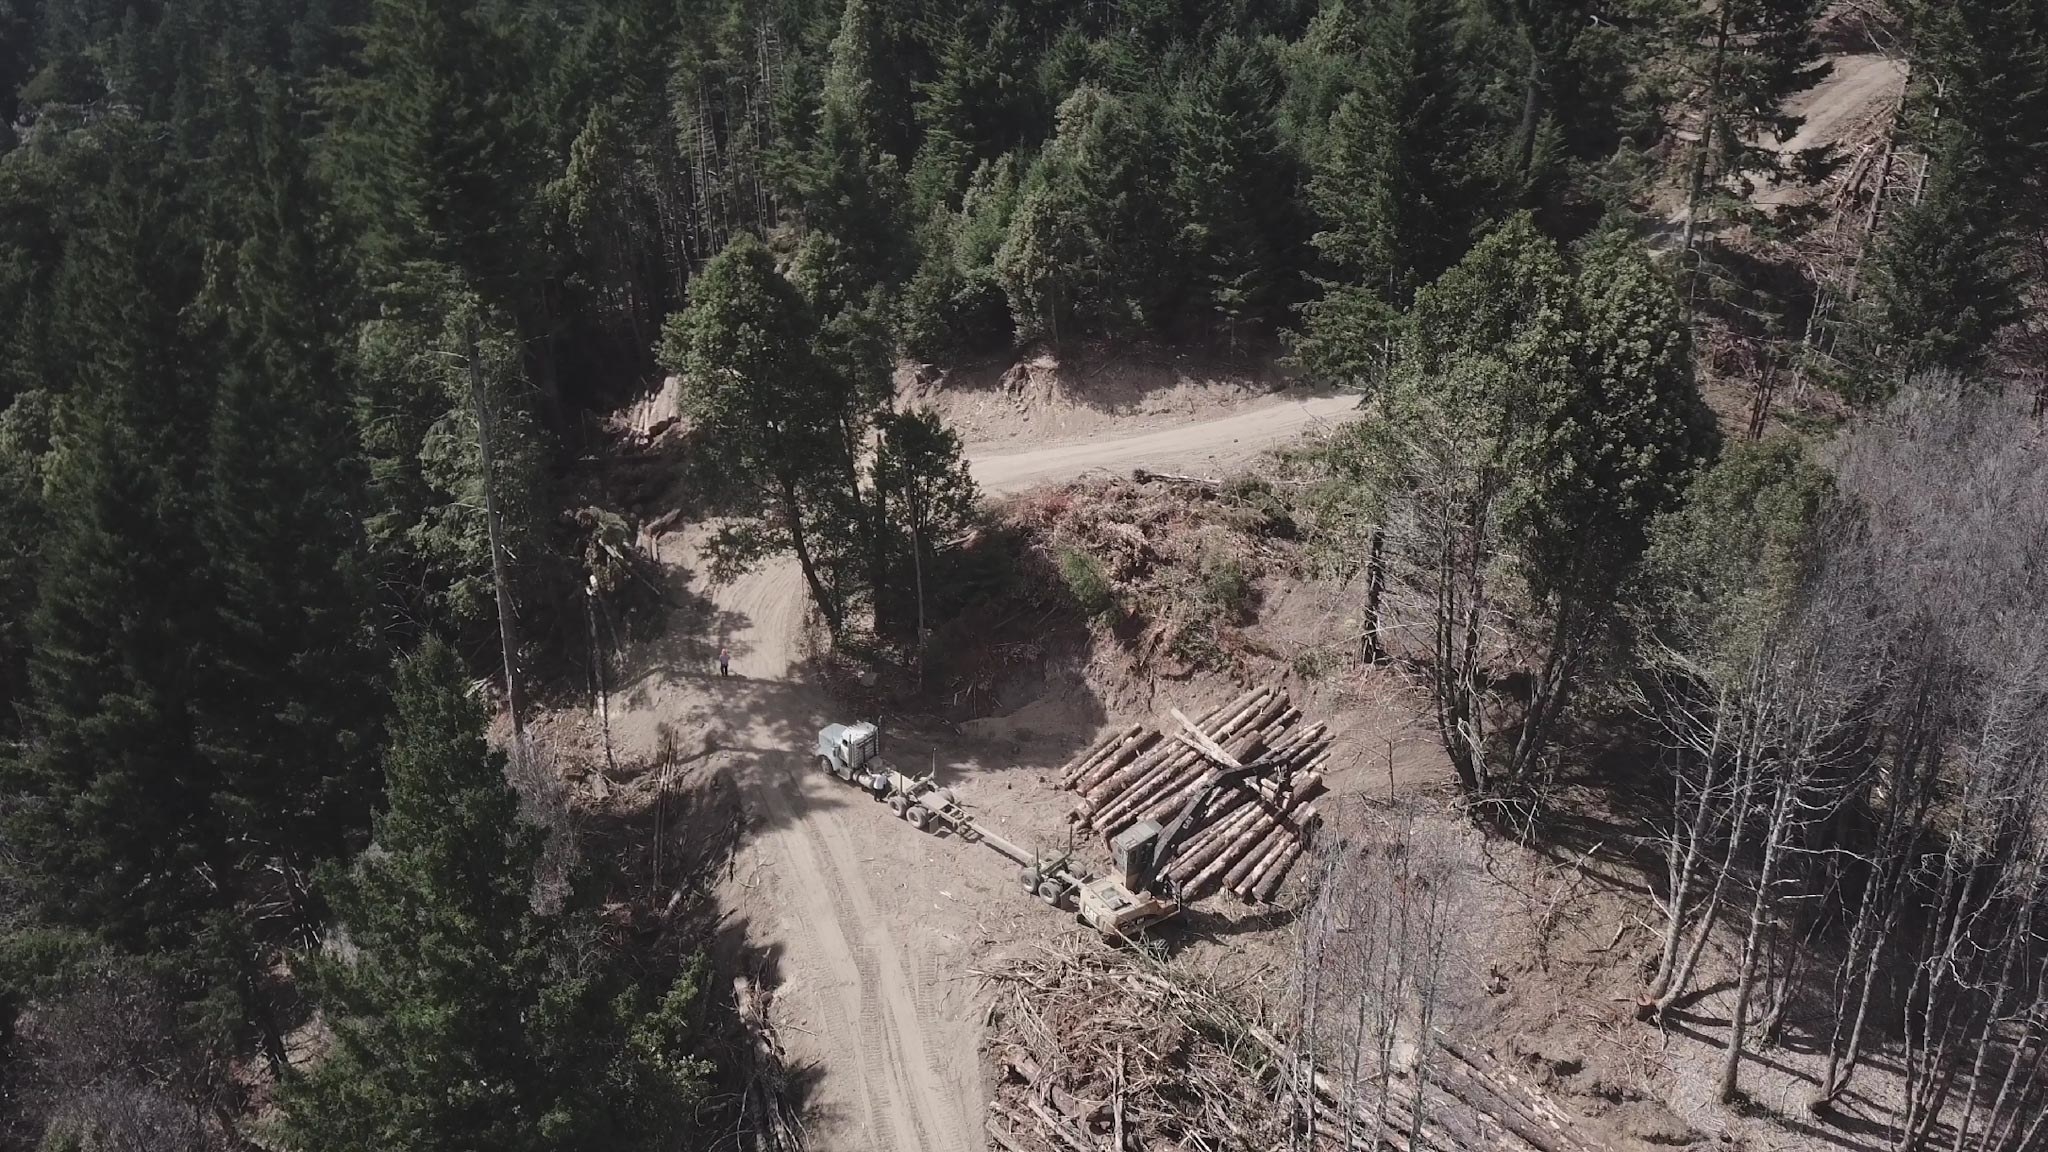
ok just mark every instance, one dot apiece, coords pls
pixel 120 819
pixel 462 1017
pixel 294 721
pixel 1233 190
pixel 1403 186
pixel 1947 272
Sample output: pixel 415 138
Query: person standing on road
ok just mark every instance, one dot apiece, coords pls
pixel 725 661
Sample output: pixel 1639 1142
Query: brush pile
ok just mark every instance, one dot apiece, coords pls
pixel 1106 1049
pixel 1250 833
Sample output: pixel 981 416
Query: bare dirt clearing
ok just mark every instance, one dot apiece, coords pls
pixel 867 929
pixel 1847 109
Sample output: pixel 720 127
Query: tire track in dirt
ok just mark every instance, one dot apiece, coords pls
pixel 847 988
pixel 933 1117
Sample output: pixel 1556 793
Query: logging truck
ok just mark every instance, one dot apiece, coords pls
pixel 1124 903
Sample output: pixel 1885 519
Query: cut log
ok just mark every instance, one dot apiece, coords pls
pixel 1126 752
pixel 1002 1136
pixel 1095 754
pixel 1169 803
pixel 1277 848
pixel 1255 842
pixel 1164 797
pixel 1258 844
pixel 1269 885
pixel 1121 810
pixel 1235 847
pixel 1117 789
pixel 1220 842
pixel 1103 782
pixel 1214 843
pixel 1113 785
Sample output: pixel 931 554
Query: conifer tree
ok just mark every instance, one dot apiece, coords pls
pixel 978 105
pixel 1086 242
pixel 1232 187
pixel 417 423
pixel 460 1017
pixel 120 821
pixel 1947 276
pixel 429 151
pixel 954 303
pixel 852 189
pixel 1402 187
pixel 24 450
pixel 293 722
pixel 770 411
pixel 1984 98
pixel 1568 96
pixel 1745 59
pixel 1322 68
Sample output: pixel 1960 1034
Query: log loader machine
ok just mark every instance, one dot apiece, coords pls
pixel 1134 896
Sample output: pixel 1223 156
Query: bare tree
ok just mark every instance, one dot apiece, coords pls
pixel 1868 750
pixel 1388 917
pixel 1813 684
pixel 1957 504
pixel 106 1071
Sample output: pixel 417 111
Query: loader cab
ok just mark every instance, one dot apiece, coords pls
pixel 1110 908
pixel 1136 855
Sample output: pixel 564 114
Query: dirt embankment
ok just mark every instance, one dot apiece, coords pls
pixel 1083 394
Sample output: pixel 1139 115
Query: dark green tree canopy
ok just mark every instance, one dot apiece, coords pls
pixel 461 1015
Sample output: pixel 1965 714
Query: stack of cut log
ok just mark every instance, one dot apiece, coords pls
pixel 1250 836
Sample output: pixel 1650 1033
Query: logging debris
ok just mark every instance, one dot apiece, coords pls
pixel 1110 1049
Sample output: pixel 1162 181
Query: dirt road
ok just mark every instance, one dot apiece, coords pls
pixel 870 929
pixel 1210 446
pixel 1858 93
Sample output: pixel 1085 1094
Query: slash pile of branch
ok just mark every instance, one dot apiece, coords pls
pixel 1108 1050
pixel 765 1109
pixel 1250 836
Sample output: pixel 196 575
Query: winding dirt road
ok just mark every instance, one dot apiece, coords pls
pixel 869 930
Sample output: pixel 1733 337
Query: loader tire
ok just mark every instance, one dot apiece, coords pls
pixel 919 816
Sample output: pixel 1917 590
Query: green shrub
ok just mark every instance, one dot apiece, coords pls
pixel 1086 581
pixel 1195 643
pixel 1254 506
pixel 1315 663
pixel 1225 585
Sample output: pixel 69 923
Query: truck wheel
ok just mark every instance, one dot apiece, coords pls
pixel 1050 891
pixel 899 804
pixel 825 766
pixel 1030 878
pixel 919 816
